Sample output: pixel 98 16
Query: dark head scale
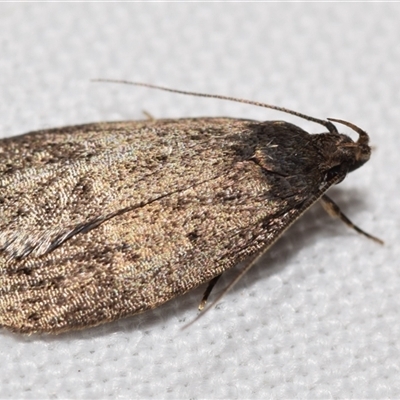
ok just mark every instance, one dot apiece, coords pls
pixel 360 149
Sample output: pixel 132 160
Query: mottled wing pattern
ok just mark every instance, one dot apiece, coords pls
pixel 106 220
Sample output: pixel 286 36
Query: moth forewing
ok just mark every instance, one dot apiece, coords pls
pixel 106 220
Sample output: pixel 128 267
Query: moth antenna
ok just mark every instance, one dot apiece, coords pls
pixel 328 125
pixel 363 137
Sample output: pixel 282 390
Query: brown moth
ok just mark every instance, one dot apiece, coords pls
pixel 106 220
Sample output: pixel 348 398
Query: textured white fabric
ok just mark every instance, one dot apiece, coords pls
pixel 319 317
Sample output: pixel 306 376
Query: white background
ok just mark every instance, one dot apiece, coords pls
pixel 319 317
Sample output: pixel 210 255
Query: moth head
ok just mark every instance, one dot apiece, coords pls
pixel 341 153
pixel 358 152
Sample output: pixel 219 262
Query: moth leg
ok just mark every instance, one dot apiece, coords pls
pixel 207 292
pixel 334 211
pixel 148 115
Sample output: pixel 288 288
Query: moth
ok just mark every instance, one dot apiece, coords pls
pixel 106 220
